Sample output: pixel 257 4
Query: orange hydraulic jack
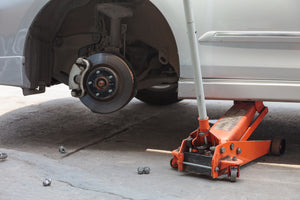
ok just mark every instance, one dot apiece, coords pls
pixel 223 148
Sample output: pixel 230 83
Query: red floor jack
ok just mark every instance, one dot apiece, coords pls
pixel 222 148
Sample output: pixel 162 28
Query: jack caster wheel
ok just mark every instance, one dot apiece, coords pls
pixel 278 146
pixel 233 174
pixel 173 164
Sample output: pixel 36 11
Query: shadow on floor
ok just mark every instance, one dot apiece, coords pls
pixel 136 127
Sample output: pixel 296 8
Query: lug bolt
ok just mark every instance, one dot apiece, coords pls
pixel 77 79
pixel 110 91
pixel 74 93
pixel 217 169
pixel 238 150
pixel 234 158
pixel 97 94
pixel 97 72
pixel 213 148
pixel 231 146
pixel 90 82
pixel 222 149
pixel 79 61
pixel 201 134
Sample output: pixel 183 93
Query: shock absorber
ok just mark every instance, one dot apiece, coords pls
pixel 116 13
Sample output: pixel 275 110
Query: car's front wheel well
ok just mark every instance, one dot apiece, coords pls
pixel 66 30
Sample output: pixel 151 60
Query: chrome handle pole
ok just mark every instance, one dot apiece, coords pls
pixel 191 28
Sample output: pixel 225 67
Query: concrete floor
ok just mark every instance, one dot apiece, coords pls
pixel 104 151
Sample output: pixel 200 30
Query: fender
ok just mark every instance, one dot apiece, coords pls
pixel 21 14
pixel 173 12
pixel 14 39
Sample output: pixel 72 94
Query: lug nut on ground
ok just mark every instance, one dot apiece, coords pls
pixel 62 149
pixel 3 156
pixel 140 170
pixel 47 182
pixel 146 170
pixel 143 170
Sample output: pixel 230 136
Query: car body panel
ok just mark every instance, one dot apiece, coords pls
pixel 16 16
pixel 244 45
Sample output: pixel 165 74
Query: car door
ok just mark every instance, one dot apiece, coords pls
pixel 250 40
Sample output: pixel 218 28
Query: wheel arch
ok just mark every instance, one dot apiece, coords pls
pixel 39 41
pixel 39 52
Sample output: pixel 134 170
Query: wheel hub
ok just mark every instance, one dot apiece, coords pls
pixel 102 83
pixel 109 84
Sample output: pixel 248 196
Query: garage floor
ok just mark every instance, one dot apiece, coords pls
pixel 104 151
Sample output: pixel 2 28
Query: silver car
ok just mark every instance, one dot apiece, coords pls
pixel 109 51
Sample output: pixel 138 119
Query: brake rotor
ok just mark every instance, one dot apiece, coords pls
pixel 109 84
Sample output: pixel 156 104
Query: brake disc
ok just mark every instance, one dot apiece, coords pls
pixel 109 84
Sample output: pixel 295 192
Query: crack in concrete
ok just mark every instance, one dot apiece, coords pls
pixel 25 161
pixel 96 142
pixel 107 137
pixel 87 189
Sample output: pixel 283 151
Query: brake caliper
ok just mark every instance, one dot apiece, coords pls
pixel 76 78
